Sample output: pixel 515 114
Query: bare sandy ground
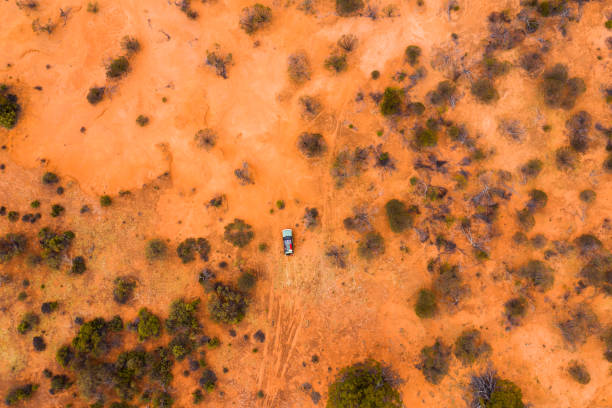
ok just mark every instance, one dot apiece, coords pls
pixel 305 306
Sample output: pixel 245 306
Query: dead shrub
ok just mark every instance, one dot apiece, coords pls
pixel 537 274
pixel 448 284
pixel 311 217
pixel 219 62
pixel 298 67
pixel 337 256
pixel 311 144
pixel 244 174
pixel 347 42
pixel 371 246
pixel 532 62
pixel 254 18
pixel 581 323
pixel 566 158
pixel 205 139
pixel 311 106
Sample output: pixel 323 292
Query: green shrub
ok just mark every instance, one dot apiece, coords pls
pixel 12 245
pixel 371 246
pixel 365 384
pixel 95 95
pixel 506 394
pixel 50 178
pixel 435 361
pixel 537 200
pixel 348 7
pixel 64 355
pixel 105 201
pixel 484 90
pixel 123 290
pixel 399 216
pixel 115 324
pixel 78 265
pixel 413 53
pixel 588 243
pixel 19 394
pixel 550 8
pixel 515 309
pixel 311 144
pixel 49 307
pixel 181 346
pixel 238 233
pixel 255 18
pixel 57 210
pixel 129 367
pixel 579 372
pixel 246 281
pixel 92 7
pixel 538 274
pixel 375 74
pixel 425 137
pixel 198 396
pixel 9 108
pixel 28 323
pixel 558 90
pixel 91 337
pixel 391 102
pixel 192 246
pixel 494 67
pixel 608 24
pixel 607 339
pixel 118 67
pixel 227 305
pixel 183 317
pixel 59 383
pixel 156 249
pixel 336 62
pixel 162 400
pixel 161 363
pixel 130 45
pixel 149 325
pixel 470 346
pixel 220 62
pixel 426 305
pixel 142 120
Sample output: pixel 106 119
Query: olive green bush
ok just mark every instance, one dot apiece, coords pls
pixel 22 393
pixel 78 265
pixel 435 361
pixel 246 281
pixel 238 233
pixel 219 61
pixel 156 249
pixel 399 216
pixel 558 90
pixel 9 108
pixel 537 274
pixel 59 383
pixel 391 102
pixel 490 391
pixel 28 323
pixel 365 384
pixel 443 94
pixel 149 325
pixel 255 18
pixel 484 91
pixel 448 284
pixel 470 346
pixel 54 245
pixel 50 178
pixel 118 67
pixel 123 289
pixel 413 53
pixel 12 245
pixel 188 249
pixel 348 7
pixel 183 317
pixel 426 305
pixel 336 62
pixel 371 246
pixel 227 305
pixel 95 95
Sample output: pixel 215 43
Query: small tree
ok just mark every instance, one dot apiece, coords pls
pixel 238 233
pixel 227 305
pixel 538 274
pixel 399 216
pixel 365 384
pixel 371 246
pixel 311 144
pixel 255 18
pixel 392 102
pixel 435 361
pixel 95 95
pixel 426 305
pixel 9 108
pixel 149 325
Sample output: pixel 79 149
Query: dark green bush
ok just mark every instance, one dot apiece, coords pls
pixel 123 290
pixel 246 281
pixel 515 309
pixel 348 7
pixel 149 325
pixel 494 67
pixel 91 337
pixel 435 362
pixel 183 317
pixel 538 274
pixel 537 200
pixel 57 210
pixel 49 307
pixel 115 324
pixel 375 74
pixel 550 8
pixel 9 108
pixel 470 346
pixel 181 346
pixel 607 164
pixel 365 384
pixel 50 178
pixel 129 368
pixel 12 245
pixel 371 245
pixel 192 246
pixel 59 383
pixel 161 363
pixel 391 102
pixel 95 95
pixel 399 216
pixel 156 249
pixel 78 265
pixel 105 201
pixel 28 322
pixel 505 394
pixel 162 400
pixel 484 90
pixel 255 17
pixel 579 372
pixel 425 137
pixel 227 305
pixel 130 45
pixel 238 233
pixel 336 62
pixel 311 144
pixel 413 53
pixel 426 305
pixel 64 355
pixel 558 90
pixel 142 120
pixel 19 394
pixel 118 67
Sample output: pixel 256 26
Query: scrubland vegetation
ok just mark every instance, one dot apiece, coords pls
pixel 457 188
